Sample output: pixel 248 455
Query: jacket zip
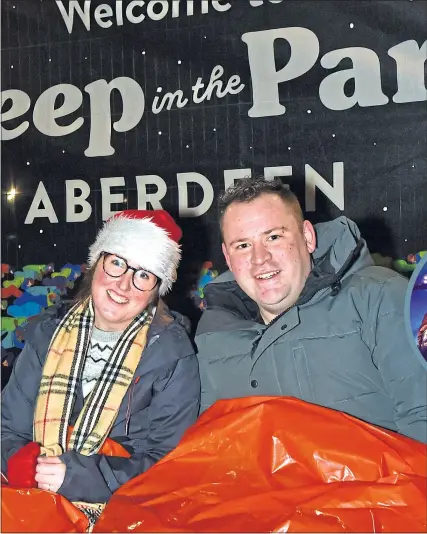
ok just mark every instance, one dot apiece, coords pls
pixel 132 389
pixel 335 286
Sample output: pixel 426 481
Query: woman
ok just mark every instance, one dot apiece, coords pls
pixel 117 366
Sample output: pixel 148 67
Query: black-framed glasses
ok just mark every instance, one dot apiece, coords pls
pixel 116 266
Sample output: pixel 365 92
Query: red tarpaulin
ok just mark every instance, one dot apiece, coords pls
pixel 278 464
pixel 258 465
pixel 35 510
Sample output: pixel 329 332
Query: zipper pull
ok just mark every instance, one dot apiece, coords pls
pixel 132 389
pixel 336 288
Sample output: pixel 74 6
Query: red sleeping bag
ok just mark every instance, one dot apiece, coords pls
pixel 258 465
pixel 35 510
pixel 278 464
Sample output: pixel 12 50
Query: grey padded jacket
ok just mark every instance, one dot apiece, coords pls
pixel 161 403
pixel 343 345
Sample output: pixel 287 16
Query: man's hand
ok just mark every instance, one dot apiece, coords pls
pixel 50 473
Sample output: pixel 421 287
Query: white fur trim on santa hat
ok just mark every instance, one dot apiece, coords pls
pixel 143 244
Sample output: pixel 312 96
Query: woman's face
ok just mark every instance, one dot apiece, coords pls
pixel 116 300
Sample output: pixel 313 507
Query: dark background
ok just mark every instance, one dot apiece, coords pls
pixel 382 147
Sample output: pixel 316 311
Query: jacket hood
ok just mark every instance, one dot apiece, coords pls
pixel 340 252
pixel 337 241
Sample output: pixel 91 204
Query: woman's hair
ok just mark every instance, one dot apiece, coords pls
pixel 85 289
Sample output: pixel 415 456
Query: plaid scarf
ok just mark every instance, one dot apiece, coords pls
pixel 62 374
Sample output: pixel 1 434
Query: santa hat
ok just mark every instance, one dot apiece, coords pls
pixel 147 239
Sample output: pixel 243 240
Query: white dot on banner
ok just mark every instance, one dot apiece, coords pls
pixel 250 147
pixel 413 166
pixel 333 135
pixel 179 62
pixel 159 132
pixel 289 147
pixel 159 89
pixel 204 37
pixel 19 246
pixel 406 240
pixel 308 110
pixel 63 151
pixel 375 144
pixel 351 25
pixel 41 231
pixel 50 59
pixel 214 129
pixel 28 162
pixel 143 52
pixel 385 208
pixel 11 66
pixel 54 244
pixel 85 57
pixel 187 146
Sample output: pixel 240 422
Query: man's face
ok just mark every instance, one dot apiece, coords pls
pixel 268 251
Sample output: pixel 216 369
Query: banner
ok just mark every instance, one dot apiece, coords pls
pixel 133 104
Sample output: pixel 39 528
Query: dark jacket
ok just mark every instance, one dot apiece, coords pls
pixel 343 345
pixel 161 403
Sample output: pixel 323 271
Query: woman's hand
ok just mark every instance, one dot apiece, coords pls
pixel 50 473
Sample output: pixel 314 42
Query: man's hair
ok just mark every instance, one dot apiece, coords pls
pixel 248 189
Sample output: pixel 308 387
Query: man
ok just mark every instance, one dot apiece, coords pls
pixel 303 312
